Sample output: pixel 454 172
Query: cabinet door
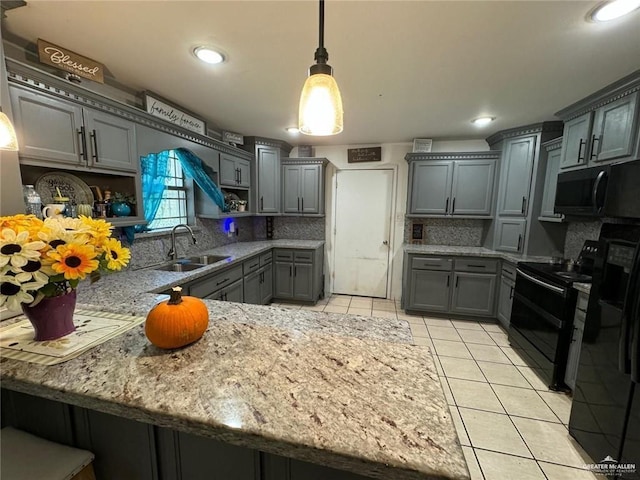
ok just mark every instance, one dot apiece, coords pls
pixel 431 187
pixel 310 189
pixel 252 288
pixel 291 189
pixel 550 184
pixel 472 187
pixel 575 141
pixel 283 287
pixel 614 129
pixel 112 141
pixel 517 164
pixel 233 293
pixel 573 358
pixel 268 162
pixel 505 301
pixel 473 293
pixel 244 173
pixel 266 287
pixel 47 128
pixel 303 281
pixel 511 235
pixel 429 290
pixel 228 170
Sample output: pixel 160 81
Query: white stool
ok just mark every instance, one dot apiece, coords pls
pixel 26 457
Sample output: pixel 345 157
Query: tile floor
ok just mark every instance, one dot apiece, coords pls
pixel 509 424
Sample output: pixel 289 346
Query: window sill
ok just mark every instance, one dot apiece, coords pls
pixel 165 233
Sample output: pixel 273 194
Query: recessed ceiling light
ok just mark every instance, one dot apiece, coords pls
pixel 482 121
pixel 292 130
pixel 208 55
pixel 613 9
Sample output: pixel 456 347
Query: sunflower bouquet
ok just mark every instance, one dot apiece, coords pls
pixel 40 259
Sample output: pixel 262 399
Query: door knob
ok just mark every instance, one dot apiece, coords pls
pixel 385 242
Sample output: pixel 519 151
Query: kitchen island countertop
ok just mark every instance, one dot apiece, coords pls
pixel 345 391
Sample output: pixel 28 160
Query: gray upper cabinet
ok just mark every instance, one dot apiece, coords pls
pixel 613 128
pixel 603 127
pixel 234 172
pixel 575 141
pixel 554 157
pixel 431 187
pixel 451 184
pixel 472 190
pixel 516 176
pixel 303 186
pixel 54 129
pixel 268 187
pixel 510 234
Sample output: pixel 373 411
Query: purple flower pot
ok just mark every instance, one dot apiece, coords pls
pixel 53 317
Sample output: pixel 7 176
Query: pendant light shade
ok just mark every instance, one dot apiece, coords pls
pixel 8 140
pixel 320 111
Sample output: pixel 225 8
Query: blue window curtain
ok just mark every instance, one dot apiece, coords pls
pixel 154 168
pixel 202 174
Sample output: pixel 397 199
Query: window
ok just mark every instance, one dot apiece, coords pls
pixel 173 206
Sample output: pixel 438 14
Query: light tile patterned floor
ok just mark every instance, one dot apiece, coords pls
pixel 509 424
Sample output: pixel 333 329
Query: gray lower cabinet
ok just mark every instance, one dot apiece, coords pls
pixel 473 293
pixel 429 290
pixel 225 285
pixel 510 234
pixel 517 167
pixel 53 129
pixel 298 274
pixel 252 288
pixel 461 285
pixel 258 280
pixel 266 284
pixel 553 152
pixel 505 301
pixel 573 358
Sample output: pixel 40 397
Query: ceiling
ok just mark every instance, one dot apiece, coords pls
pixel 406 69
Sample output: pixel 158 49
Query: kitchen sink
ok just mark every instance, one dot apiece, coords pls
pixel 180 267
pixel 207 259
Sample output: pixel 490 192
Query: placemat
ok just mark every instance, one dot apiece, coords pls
pixel 92 329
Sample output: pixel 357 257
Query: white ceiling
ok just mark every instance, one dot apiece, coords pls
pixel 406 69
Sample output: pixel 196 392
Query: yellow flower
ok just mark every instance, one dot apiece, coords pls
pixel 117 256
pixel 54 235
pixel 75 261
pixel 21 223
pixel 16 249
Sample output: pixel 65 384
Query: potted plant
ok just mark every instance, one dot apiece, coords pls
pixel 122 203
pixel 42 262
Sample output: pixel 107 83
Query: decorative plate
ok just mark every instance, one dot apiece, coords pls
pixel 69 186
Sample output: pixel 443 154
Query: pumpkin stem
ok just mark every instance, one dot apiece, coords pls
pixel 176 296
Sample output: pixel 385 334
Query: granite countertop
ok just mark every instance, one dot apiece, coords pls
pixel 345 391
pixel 583 287
pixel 472 252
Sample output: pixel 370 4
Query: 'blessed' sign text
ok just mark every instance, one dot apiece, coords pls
pixel 70 61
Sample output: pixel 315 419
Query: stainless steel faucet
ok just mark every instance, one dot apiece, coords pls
pixel 172 253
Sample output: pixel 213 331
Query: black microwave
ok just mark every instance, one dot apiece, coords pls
pixel 582 192
pixel 608 191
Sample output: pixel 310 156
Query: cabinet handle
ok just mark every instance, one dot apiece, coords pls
pixel 453 205
pixel 261 203
pixel 254 265
pixel 448 280
pixel 519 241
pixel 225 296
pixel 583 143
pixel 222 281
pixel 457 280
pixel 94 156
pixel 295 271
pixel 83 145
pixel 524 204
pixel 511 293
pixel 298 203
pixel 476 266
pixel 594 153
pixel 289 270
pixel 303 204
pixel 239 175
pixel 261 277
pixel 446 207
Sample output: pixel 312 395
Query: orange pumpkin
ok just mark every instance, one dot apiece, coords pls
pixel 176 322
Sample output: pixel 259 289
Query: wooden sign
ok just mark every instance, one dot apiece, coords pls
pixel 369 154
pixel 70 61
pixel 232 137
pixel 164 109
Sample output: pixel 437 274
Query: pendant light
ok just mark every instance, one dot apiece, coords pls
pixel 320 110
pixel 8 140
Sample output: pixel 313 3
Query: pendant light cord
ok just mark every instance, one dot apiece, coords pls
pixel 321 55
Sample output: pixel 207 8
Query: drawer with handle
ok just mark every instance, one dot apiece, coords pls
pixel 251 265
pixel 431 263
pixel 205 287
pixel 283 255
pixel 509 271
pixel 476 265
pixel 303 256
pixel 266 258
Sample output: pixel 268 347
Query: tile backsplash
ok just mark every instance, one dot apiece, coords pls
pixel 577 233
pixel 299 228
pixel 447 231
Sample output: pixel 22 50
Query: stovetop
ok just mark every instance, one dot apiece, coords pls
pixel 559 274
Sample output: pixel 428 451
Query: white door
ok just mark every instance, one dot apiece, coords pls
pixel 362 232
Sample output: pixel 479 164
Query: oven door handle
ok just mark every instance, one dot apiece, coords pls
pixel 553 288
